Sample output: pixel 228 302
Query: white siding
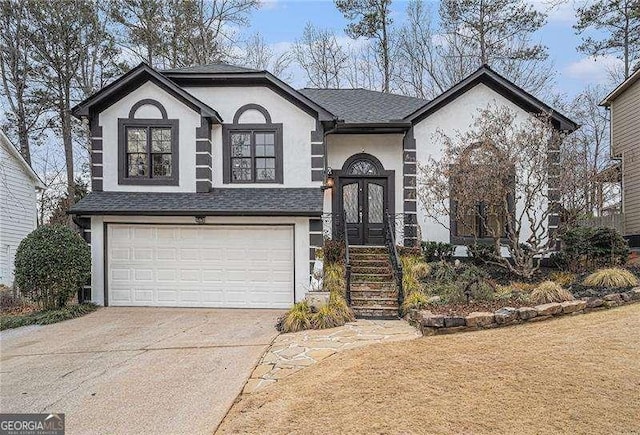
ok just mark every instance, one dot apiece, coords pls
pixel 17 209
pixel 457 116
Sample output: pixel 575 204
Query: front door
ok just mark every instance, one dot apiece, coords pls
pixel 364 203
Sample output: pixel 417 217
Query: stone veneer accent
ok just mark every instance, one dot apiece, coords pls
pixel 318 152
pixel 96 154
pixel 315 241
pixel 432 324
pixel 204 160
pixel 409 176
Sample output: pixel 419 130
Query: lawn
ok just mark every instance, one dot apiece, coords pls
pixel 571 375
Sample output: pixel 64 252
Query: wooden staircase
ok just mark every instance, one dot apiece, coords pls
pixel 373 291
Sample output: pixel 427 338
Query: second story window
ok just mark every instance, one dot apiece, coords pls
pixel 149 152
pixel 252 148
pixel 253 156
pixel 148 147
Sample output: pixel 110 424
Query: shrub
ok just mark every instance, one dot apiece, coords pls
pixel 565 279
pixel 51 264
pixel 46 317
pixel 325 318
pixel 480 253
pixel 298 318
pixel 584 248
pixel 454 293
pixel 611 278
pixel 549 291
pixel 413 271
pixel 415 300
pixel 334 280
pixel 443 271
pixel 434 251
pixel 334 251
pixel 339 306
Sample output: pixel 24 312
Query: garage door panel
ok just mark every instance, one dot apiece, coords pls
pixel 214 266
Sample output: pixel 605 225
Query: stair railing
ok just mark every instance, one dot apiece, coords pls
pixel 390 239
pixel 347 260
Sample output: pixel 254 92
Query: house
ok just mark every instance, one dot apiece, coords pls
pixel 213 185
pixel 18 209
pixel 624 105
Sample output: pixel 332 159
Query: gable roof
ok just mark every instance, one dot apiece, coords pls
pixel 232 75
pixel 363 105
pixel 214 68
pixel 501 85
pixel 621 88
pixel 128 82
pixel 16 154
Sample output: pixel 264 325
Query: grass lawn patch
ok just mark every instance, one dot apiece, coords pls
pixel 573 375
pixel 9 321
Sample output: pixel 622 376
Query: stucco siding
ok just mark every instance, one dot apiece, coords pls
pixel 457 116
pixel 189 120
pixel 18 212
pixel 297 126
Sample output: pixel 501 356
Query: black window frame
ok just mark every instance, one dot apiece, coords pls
pixel 123 170
pixel 229 129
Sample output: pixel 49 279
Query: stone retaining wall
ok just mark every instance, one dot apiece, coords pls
pixel 431 324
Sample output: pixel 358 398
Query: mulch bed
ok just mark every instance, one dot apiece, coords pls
pixel 580 291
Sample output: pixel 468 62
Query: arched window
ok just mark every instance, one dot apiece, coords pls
pixel 482 191
pixel 363 167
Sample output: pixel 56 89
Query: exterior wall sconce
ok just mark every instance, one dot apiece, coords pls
pixel 328 180
pixel 199 220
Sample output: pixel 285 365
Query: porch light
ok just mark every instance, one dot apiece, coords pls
pixel 199 220
pixel 328 180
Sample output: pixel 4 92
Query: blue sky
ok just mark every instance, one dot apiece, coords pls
pixel 282 21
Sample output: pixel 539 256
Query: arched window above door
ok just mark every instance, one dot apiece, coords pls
pixel 363 165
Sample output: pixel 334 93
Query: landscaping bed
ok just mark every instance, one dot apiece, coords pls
pixel 15 320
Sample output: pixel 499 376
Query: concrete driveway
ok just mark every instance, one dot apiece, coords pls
pixel 135 370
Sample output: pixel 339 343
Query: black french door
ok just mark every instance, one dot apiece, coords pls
pixel 364 202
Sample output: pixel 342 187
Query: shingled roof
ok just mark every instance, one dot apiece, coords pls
pixel 364 106
pixel 219 202
pixel 214 68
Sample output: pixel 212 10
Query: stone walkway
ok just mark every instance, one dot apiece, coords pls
pixel 292 352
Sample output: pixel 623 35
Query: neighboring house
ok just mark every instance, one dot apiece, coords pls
pixel 624 104
pixel 18 209
pixel 211 184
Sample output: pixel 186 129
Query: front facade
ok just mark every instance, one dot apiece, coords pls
pixel 624 106
pixel 214 185
pixel 18 205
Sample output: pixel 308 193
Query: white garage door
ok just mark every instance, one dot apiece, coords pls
pixel 200 266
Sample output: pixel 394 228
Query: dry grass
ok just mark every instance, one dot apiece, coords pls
pixel 549 291
pixel 571 375
pixel 611 278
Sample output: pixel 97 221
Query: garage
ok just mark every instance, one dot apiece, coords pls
pixel 226 266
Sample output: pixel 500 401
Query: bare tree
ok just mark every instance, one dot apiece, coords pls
pixel 321 57
pixel 175 33
pixel 25 100
pixel 371 20
pixel 617 26
pixel 258 54
pixel 500 182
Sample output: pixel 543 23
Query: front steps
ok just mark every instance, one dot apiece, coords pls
pixel 373 289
